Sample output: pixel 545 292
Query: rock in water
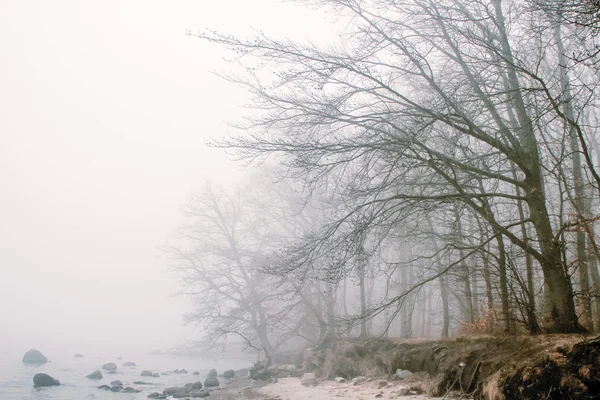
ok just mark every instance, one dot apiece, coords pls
pixel 213 373
pixel 110 367
pixel 211 381
pixel 116 383
pixel 41 380
pixel 34 356
pixel 146 373
pixel 196 373
pixel 171 390
pixel 104 387
pixel 156 375
pixel 229 374
pixel 94 375
pixel 129 364
pixel 78 355
pixel 309 379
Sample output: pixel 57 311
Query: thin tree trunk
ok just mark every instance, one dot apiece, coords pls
pixel 363 301
pixel 445 306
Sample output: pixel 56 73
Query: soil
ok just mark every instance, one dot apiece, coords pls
pixel 494 368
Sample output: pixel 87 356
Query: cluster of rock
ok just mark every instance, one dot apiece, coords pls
pixel 212 380
pixel 35 357
pixel 117 387
pixel 191 390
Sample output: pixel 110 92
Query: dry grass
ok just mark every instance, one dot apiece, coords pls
pixel 488 367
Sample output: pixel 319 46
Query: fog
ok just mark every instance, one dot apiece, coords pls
pixel 104 114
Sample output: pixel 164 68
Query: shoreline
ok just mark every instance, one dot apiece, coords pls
pixel 291 388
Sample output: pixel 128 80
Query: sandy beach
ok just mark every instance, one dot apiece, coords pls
pixel 292 389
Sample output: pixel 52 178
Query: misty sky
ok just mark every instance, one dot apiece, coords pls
pixel 105 107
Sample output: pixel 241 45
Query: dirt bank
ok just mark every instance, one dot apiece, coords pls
pixel 548 367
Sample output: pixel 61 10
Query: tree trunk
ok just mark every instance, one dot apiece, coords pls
pixel 445 306
pixel 563 317
pixel 363 301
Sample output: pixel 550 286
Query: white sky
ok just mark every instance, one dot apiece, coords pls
pixel 104 110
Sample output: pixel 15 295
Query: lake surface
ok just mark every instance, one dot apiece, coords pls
pixel 16 378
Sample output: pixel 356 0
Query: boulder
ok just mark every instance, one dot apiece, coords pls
pixel 211 381
pixel 359 380
pixel 309 379
pixel 110 367
pixel 156 375
pixel 34 356
pixel 196 373
pixel 180 393
pixel 41 380
pixel 129 389
pixel 146 373
pixel 129 364
pixel 182 371
pixel 78 355
pixel 229 374
pixel 402 373
pixel 104 387
pixel 197 386
pixel 213 373
pixel 381 384
pixel 116 383
pixel 171 390
pixel 339 379
pixel 199 393
pixel 156 395
pixel 94 375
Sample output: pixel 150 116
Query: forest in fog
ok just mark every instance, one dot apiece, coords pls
pixel 432 171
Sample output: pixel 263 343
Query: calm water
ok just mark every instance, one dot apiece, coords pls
pixel 16 378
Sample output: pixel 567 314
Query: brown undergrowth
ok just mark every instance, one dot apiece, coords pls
pixel 494 368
